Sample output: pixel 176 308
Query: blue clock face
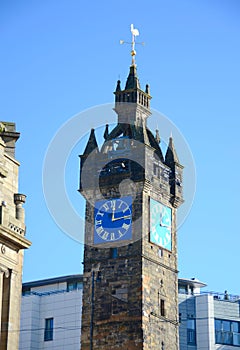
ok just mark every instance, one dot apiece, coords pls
pixel 113 220
pixel 160 224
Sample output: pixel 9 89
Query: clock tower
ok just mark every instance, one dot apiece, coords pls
pixel 132 192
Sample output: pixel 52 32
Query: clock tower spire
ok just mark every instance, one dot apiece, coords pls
pixel 130 253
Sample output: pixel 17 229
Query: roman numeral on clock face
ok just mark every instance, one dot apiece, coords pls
pixel 125 226
pixel 112 235
pixel 99 230
pixel 105 206
pixel 105 235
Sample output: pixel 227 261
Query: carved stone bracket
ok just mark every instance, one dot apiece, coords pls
pixel 3 249
pixel 5 271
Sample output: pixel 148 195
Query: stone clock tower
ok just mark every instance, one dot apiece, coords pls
pixel 132 192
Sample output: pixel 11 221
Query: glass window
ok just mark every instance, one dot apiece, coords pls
pixel 74 286
pixel 191 331
pixel 218 325
pixel 226 326
pixel 182 290
pixel 235 327
pixel 70 287
pixel 48 331
pixel 227 332
pixel 236 339
pixel 191 324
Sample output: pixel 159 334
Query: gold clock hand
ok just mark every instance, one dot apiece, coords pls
pixel 113 209
pixel 121 217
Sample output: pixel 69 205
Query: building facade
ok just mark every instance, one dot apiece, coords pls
pixel 130 258
pixel 51 314
pixel 208 321
pixel 52 311
pixel 12 239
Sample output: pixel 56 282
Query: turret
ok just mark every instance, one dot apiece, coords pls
pixel 139 100
pixel 175 178
pixel 10 136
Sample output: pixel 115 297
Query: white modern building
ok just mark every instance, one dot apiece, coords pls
pixel 52 309
pixel 51 314
pixel 208 320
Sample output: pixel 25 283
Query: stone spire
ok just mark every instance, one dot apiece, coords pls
pixel 171 154
pixel 92 144
pixel 132 80
pixel 176 175
pixel 90 153
pixel 106 132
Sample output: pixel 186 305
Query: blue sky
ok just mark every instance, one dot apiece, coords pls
pixel 59 58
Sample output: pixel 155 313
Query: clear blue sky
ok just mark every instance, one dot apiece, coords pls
pixel 59 58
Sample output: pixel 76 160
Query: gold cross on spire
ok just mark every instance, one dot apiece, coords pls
pixel 135 33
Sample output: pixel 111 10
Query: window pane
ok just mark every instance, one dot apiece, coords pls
pixel 218 325
pixel 191 336
pixel 79 285
pixel 70 287
pixel 227 338
pixel 218 339
pixel 235 327
pixel 191 324
pixel 236 339
pixel 48 331
pixel 226 326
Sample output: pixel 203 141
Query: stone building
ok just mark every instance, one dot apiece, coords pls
pixel 12 239
pixel 130 294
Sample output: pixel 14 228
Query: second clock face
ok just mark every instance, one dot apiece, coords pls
pixel 113 220
pixel 160 224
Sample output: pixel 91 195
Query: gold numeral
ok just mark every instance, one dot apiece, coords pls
pixel 105 235
pixel 99 230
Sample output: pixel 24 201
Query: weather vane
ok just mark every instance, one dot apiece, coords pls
pixel 135 33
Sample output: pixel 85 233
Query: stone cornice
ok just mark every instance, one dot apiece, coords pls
pixel 12 159
pixel 15 239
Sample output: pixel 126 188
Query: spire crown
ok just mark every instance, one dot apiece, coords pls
pixel 132 80
pixel 118 88
pixel 92 144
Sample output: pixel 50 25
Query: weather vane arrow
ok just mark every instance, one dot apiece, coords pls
pixel 135 32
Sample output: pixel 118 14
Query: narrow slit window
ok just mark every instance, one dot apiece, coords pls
pixel 48 331
pixel 162 307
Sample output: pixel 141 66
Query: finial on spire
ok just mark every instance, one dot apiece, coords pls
pixel 135 32
pixel 157 137
pixel 106 132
